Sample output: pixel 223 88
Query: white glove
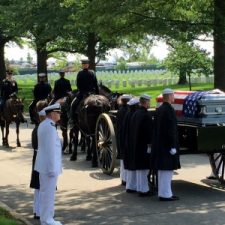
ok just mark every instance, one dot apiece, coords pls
pixel 173 151
pixel 149 150
pixel 51 174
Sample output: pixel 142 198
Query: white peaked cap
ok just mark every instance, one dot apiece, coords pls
pixel 133 101
pixel 167 91
pixel 42 113
pixel 126 96
pixel 145 96
pixel 53 108
pixel 41 74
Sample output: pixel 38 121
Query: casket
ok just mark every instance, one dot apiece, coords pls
pixel 179 98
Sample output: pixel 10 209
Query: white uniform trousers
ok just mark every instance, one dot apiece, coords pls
pixel 123 172
pixel 164 183
pixel 47 198
pixel 131 182
pixel 142 180
pixel 36 206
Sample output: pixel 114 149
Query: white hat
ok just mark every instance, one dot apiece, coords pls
pixel 41 74
pixel 126 96
pixel 42 113
pixel 145 97
pixel 167 91
pixel 133 101
pixel 52 108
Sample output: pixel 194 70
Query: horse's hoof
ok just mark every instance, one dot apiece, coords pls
pixel 88 158
pixel 73 158
pixel 18 145
pixel 94 164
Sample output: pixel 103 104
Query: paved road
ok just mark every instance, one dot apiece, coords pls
pixel 86 196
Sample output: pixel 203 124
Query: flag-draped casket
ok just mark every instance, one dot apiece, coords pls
pixel 204 107
pixel 201 120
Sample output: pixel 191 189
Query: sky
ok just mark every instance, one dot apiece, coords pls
pixel 160 51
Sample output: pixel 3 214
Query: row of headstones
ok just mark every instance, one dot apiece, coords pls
pixel 133 83
pixel 153 82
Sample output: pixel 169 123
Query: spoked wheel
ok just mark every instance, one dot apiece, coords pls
pixel 105 143
pixel 217 162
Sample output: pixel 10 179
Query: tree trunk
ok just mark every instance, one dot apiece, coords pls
pixel 2 62
pixel 182 77
pixel 219 44
pixel 42 56
pixel 91 51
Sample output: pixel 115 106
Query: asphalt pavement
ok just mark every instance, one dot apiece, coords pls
pixel 87 196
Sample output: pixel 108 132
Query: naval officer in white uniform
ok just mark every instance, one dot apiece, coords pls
pixel 48 163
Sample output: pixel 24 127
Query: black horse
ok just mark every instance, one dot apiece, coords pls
pixel 88 111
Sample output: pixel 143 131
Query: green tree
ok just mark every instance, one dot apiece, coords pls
pixel 9 30
pixel 185 59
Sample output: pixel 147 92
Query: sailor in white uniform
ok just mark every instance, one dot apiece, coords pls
pixel 48 163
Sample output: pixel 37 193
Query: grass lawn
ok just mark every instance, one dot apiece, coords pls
pixel 7 219
pixel 25 91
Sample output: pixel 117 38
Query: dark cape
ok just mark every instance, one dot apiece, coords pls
pixel 119 127
pixel 141 136
pixel 127 136
pixel 34 183
pixel 165 137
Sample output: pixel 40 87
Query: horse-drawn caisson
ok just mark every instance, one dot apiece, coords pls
pixel 201 126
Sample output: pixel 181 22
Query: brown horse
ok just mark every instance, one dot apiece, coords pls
pixel 12 112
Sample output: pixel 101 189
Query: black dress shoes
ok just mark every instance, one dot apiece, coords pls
pixel 36 217
pixel 211 178
pixel 145 194
pixel 173 198
pixel 130 191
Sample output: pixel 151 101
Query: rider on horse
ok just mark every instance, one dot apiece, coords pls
pixel 62 87
pixel 86 84
pixel 41 91
pixel 9 87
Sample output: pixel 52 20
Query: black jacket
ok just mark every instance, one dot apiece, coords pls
pixel 165 138
pixel 8 87
pixel 42 90
pixel 34 183
pixel 61 88
pixel 87 82
pixel 141 132
pixel 121 113
pixel 127 136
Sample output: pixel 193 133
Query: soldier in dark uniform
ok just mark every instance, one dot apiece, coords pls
pixel 9 87
pixel 41 91
pixel 34 183
pixel 141 131
pixel 127 137
pixel 62 87
pixel 86 84
pixel 165 149
pixel 123 108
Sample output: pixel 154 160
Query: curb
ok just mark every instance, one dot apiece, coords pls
pixel 14 214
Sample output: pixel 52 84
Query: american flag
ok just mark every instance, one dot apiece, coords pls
pixel 179 98
pixel 190 108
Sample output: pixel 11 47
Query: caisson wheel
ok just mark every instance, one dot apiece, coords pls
pixel 106 143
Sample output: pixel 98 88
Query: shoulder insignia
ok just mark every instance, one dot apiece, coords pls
pixel 52 124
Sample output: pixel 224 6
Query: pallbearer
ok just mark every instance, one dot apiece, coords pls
pixel 141 131
pixel 131 185
pixel 165 146
pixel 123 108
